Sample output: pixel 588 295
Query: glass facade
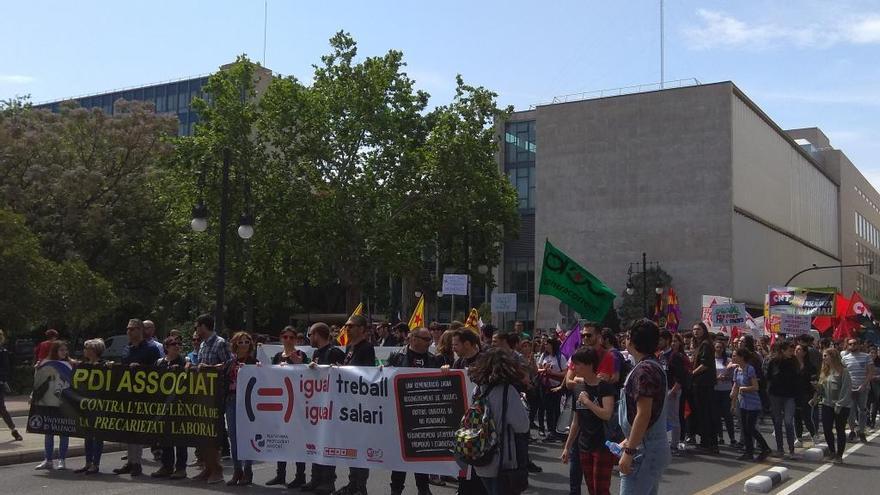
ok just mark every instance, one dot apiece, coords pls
pixel 169 98
pixel 519 161
pixel 519 278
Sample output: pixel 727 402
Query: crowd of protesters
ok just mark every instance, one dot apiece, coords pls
pixel 634 399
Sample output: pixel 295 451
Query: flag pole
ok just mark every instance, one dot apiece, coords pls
pixel 537 307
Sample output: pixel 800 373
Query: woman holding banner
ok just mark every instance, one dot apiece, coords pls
pixel 289 355
pixel 92 351
pixel 49 383
pixel 243 349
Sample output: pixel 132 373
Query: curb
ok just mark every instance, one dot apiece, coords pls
pixel 816 454
pixel 36 455
pixel 767 481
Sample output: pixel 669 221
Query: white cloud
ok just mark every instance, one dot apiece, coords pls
pixel 719 29
pixel 15 79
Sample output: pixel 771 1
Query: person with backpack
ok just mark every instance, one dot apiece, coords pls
pixel 642 415
pixel 497 374
pixel 414 355
pixel 594 405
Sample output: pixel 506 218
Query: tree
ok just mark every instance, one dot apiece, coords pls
pixel 24 272
pixel 470 206
pixel 84 182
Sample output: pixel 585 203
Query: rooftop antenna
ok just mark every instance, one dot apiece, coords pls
pixel 265 27
pixel 662 41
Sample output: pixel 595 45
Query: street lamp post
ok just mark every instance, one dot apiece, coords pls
pixel 644 273
pixel 199 223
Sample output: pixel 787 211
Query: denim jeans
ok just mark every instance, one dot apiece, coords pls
pixel 858 413
pixel 230 428
pixel 94 449
pixel 782 410
pixel 49 446
pixel 672 416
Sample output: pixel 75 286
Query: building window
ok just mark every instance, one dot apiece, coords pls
pixel 519 160
pixel 523 179
pixel 519 278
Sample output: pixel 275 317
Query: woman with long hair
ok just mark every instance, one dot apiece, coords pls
pixel 242 346
pixel 58 351
pixel 5 374
pixel 497 373
pixel 834 396
pixel 550 375
pixel 803 411
pixel 703 389
pixel 443 351
pixel 723 385
pixel 92 351
pixel 744 396
pixel 782 385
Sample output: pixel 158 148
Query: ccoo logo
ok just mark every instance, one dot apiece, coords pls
pixel 258 442
pixel 271 399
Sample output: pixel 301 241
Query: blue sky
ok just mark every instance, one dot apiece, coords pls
pixel 805 62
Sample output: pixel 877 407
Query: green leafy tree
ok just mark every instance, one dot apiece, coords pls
pixel 25 274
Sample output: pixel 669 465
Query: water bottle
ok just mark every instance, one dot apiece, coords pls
pixel 614 447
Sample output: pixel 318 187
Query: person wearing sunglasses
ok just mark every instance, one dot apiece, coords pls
pixel 360 352
pixel 169 454
pixel 414 355
pixel 289 355
pixel 243 353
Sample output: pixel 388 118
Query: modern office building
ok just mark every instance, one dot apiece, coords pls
pixel 699 178
pixel 170 97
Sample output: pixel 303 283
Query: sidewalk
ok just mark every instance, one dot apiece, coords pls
pixel 31 449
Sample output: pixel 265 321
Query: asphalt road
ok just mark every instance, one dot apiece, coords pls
pixel 692 474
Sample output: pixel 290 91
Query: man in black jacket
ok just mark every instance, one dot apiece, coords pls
pixel 360 352
pixel 414 355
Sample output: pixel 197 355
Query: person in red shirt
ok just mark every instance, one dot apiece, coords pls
pixel 41 352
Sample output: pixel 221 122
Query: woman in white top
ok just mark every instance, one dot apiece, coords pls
pixel 550 375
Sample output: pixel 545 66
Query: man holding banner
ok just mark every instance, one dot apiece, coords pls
pixel 414 355
pixel 360 352
pixel 213 353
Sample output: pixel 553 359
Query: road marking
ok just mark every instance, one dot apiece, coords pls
pixel 721 485
pixel 821 469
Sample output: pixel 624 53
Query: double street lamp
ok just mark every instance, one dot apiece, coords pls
pixel 199 223
pixel 630 288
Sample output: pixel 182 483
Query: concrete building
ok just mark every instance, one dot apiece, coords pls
pixel 699 178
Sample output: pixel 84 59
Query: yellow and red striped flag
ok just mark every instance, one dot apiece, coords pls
pixel 473 319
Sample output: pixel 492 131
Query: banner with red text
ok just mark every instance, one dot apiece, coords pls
pixel 387 418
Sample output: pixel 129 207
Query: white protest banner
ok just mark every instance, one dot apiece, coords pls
pixel 708 303
pixel 454 284
pixel 729 315
pixel 503 302
pixel 399 419
pixel 266 351
pixel 794 325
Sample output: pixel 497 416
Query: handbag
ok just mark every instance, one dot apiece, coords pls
pixel 516 480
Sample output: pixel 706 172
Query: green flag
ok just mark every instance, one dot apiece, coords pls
pixel 572 284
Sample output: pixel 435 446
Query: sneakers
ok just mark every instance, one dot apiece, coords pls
pixel 163 472
pixel 92 470
pixel 45 465
pixel 178 474
pixel 60 465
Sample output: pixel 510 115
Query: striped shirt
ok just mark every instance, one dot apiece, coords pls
pixel 857 364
